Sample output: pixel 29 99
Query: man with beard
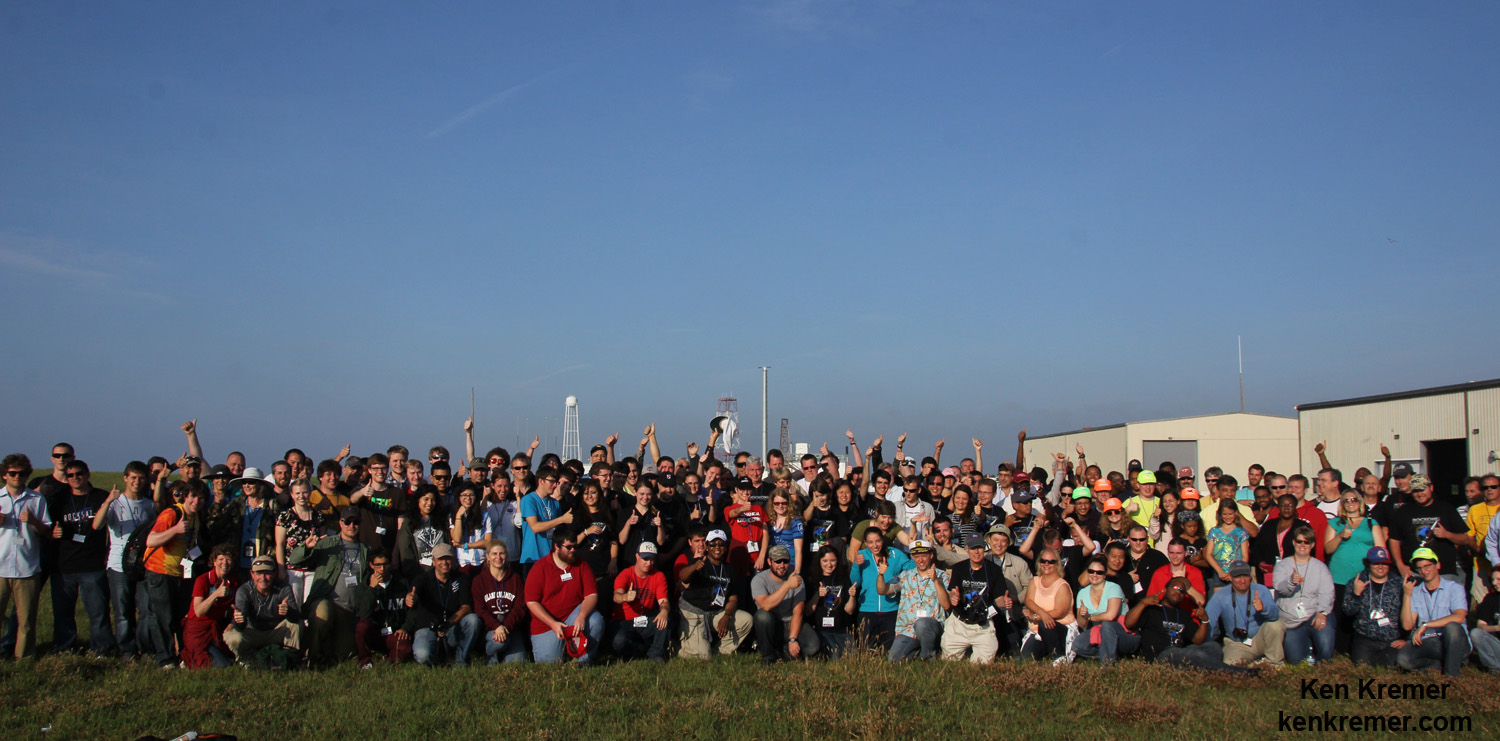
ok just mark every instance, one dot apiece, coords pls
pixel 562 596
pixel 779 628
pixel 710 601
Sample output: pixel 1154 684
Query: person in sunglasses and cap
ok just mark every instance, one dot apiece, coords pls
pixel 340 564
pixel 709 600
pixel 780 630
pixel 443 608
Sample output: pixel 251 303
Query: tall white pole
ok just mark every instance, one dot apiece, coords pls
pixel 763 370
pixel 1240 343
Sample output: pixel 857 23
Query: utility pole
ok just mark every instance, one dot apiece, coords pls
pixel 1240 343
pixel 763 370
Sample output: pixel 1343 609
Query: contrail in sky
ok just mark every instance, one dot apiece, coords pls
pixel 495 99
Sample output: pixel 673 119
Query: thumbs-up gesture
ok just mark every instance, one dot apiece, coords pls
pixel 57 531
pixel 239 617
pixel 286 604
pixel 822 590
pixel 114 493
pixel 630 593
pixel 25 515
pixel 635 517
pixel 1257 603
pixel 795 580
pixel 411 597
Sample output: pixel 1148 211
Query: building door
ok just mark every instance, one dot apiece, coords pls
pixel 1179 452
pixel 1447 465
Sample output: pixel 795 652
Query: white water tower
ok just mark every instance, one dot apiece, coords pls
pixel 570 447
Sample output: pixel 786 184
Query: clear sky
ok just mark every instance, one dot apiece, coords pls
pixel 310 224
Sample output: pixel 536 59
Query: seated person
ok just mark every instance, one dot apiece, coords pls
pixel 779 595
pixel 443 611
pixel 709 601
pixel 1245 616
pixel 1099 606
pixel 265 613
pixel 383 606
pixel 981 597
pixel 923 591
pixel 641 596
pixel 213 597
pixel 499 601
pixel 1374 598
pixel 1434 610
pixel 1172 633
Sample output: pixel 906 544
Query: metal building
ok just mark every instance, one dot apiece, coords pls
pixel 1230 441
pixel 1446 432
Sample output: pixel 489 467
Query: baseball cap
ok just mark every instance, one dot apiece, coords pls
pixel 1083 492
pixel 716 535
pixel 1112 503
pixel 1401 471
pixel 1183 515
pixel 779 553
pixel 744 482
pixel 442 550
pixel 349 514
pixel 920 546
pixel 951 471
pixel 1145 477
pixel 999 529
pixel 263 564
pixel 220 471
pixel 1022 497
pixel 1420 482
pixel 647 549
pixel 353 461
pixel 598 449
pixel 1425 553
pixel 478 464
pixel 975 541
pixel 1186 472
pixel 1103 485
pixel 1021 478
pixel 667 480
pixel 1188 492
pixel 1134 466
pixel 1378 555
pixel 1240 568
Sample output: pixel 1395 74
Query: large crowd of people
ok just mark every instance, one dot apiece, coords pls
pixel 513 558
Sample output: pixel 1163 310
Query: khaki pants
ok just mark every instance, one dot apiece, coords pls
pixel 244 642
pixel 1267 644
pixel 24 592
pixel 332 632
pixel 696 629
pixel 978 640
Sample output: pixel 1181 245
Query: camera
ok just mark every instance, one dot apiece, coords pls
pixel 1241 634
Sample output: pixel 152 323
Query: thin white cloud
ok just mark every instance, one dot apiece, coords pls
pixel 496 99
pixel 1112 52
pixel 91 270
pixel 557 372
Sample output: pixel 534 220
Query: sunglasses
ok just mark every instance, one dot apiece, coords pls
pixel 566 546
pixel 1275 488
pixel 75 475
pixel 1046 561
pixel 62 455
pixel 780 560
pixel 15 473
pixel 1096 572
pixel 1137 540
pixel 1302 542
pixel 349 522
pixel 1490 487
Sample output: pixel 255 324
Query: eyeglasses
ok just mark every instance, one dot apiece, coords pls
pixel 75 475
pixel 1491 487
pixel 1302 542
pixel 62 455
pixel 436 458
pixel 550 481
pixel 1137 540
pixel 566 546
pixel 377 468
pixel 437 477
pixel 381 565
pixel 779 504
pixel 1096 572
pixel 1047 561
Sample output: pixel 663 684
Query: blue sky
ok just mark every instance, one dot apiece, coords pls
pixel 321 223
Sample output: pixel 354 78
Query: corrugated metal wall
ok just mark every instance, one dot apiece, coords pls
pixel 1230 441
pixel 1355 433
pixel 1105 449
pixel 1484 415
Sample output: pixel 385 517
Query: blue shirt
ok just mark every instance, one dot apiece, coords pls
pixel 545 509
pixel 20 543
pixel 1447 599
pixel 871 600
pixel 1227 611
pixel 249 528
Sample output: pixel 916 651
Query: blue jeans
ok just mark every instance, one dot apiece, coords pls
pixel 630 642
pixel 1298 639
pixel 1114 641
pixel 834 643
pixel 164 593
pixel 1448 651
pixel 460 639
pixel 512 651
pixel 126 598
pixel 94 588
pixel 546 648
pixel 1487 648
pixel 929 634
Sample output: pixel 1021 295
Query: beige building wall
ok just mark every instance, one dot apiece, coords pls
pixel 1484 416
pixel 1355 433
pixel 1231 441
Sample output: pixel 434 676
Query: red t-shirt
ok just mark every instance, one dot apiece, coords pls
pixel 1309 511
pixel 561 592
pixel 1162 575
pixel 206 583
pixel 650 592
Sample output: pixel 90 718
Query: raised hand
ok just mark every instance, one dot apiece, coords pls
pixel 190 427
pixel 1021 436
pixel 286 604
pixel 344 452
pixel 411 597
pixel 878 440
pixel 1079 448
pixel 692 449
pixel 611 440
pixel 1320 447
pixel 901 440
pixel 823 451
pixel 940 443
pixel 978 445
pixel 469 425
pixel 1384 451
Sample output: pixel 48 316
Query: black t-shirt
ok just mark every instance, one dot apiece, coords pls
pixel 1144 567
pixel 1020 530
pixel 642 530
pixel 977 591
pixel 388 604
pixel 825 525
pixel 762 494
pixel 710 587
pixel 382 510
pixel 594 547
pixel 82 548
pixel 438 601
pixel 1488 610
pixel 827 610
pixel 1162 626
pixel 1412 524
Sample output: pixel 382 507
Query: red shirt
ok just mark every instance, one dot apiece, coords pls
pixel 650 592
pixel 561 592
pixel 1163 574
pixel 1309 511
pixel 206 583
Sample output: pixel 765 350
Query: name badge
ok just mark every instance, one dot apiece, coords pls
pixel 923 614
pixel 753 546
pixel 249 550
pixel 566 576
pixel 828 622
pixel 991 612
pixel 187 569
pixel 380 531
pixel 813 548
pixel 639 622
pixel 386 630
pixel 195 553
pixel 426 560
pixel 1137 586
pixel 349 580
pixel 80 538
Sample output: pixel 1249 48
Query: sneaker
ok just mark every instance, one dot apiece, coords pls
pixel 367 665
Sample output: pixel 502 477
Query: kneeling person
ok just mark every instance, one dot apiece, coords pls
pixel 710 600
pixel 980 595
pixel 924 598
pixel 443 610
pixel 265 614
pixel 562 596
pixel 641 593
pixel 779 595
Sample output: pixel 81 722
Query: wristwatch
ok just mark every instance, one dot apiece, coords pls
pixel 793 639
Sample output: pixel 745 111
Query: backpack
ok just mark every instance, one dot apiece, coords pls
pixel 133 560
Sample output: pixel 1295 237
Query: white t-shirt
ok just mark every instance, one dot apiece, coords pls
pixel 124 516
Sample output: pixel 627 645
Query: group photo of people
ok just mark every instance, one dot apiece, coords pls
pixel 402 555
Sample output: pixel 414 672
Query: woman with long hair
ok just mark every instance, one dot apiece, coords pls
pixel 831 603
pixel 597 543
pixel 466 530
pixel 419 533
pixel 293 526
pixel 786 527
pixel 1049 611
